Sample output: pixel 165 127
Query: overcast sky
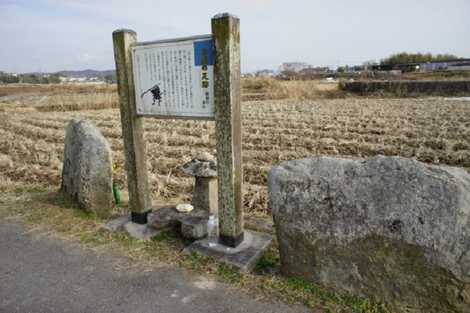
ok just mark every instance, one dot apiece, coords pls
pixel 52 35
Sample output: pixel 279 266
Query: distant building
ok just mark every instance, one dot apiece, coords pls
pixel 449 65
pixel 265 73
pixel 70 79
pixel 315 70
pixel 294 66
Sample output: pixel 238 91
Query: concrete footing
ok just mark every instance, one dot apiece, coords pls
pixel 124 223
pixel 141 231
pixel 244 256
pixel 116 224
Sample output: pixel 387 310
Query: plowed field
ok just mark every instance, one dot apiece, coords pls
pixel 433 130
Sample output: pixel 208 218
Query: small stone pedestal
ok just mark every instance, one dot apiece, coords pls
pixel 205 194
pixel 204 169
pixel 244 256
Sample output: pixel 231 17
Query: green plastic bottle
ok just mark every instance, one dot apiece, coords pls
pixel 117 194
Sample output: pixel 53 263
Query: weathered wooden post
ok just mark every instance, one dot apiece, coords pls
pixel 237 247
pixel 228 127
pixel 132 128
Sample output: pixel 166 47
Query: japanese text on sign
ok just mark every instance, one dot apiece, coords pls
pixel 174 78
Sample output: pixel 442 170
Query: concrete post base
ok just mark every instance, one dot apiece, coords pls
pixel 244 256
pixel 124 223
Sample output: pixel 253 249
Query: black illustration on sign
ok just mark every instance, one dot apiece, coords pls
pixel 156 93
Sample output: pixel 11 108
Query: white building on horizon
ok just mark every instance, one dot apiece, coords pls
pixel 293 66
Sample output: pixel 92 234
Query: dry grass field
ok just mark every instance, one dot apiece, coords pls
pixel 32 122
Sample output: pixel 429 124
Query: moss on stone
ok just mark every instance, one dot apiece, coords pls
pixel 385 270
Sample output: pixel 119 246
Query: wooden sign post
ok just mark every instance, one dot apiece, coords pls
pixel 195 77
pixel 228 127
pixel 132 128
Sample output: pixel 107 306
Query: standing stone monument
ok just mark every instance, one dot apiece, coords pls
pixel 388 228
pixel 87 168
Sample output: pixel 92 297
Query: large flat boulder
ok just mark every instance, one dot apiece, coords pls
pixel 389 228
pixel 87 169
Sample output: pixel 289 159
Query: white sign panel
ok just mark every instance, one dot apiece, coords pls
pixel 175 78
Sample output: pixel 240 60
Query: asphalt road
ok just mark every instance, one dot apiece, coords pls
pixel 39 274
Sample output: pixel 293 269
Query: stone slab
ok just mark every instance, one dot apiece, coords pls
pixel 192 225
pixel 124 223
pixel 244 256
pixel 141 231
pixel 116 224
pixel 164 217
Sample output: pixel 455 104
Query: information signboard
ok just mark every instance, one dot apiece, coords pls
pixel 175 78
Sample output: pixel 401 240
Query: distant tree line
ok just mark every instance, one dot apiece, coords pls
pixel 6 78
pixel 404 57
